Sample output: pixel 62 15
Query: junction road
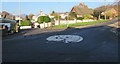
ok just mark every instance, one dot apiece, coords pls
pixel 99 44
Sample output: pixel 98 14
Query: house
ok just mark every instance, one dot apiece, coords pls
pixel 81 9
pixel 63 15
pixel 50 15
pixel 110 12
pixel 36 17
pixel 18 18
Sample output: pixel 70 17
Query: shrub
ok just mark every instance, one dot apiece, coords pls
pixel 42 19
pixel 56 17
pixel 72 15
pixel 47 19
pixel 87 16
pixel 25 23
pixel 80 18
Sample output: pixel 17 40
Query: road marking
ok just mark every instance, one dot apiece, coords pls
pixel 65 38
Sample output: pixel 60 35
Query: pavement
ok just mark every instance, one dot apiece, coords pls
pixel 99 44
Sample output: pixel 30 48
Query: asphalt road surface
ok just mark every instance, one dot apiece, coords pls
pixel 99 44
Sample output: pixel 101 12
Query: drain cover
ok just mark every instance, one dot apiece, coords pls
pixel 65 38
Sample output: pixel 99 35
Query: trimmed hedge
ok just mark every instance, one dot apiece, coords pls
pixel 47 19
pixel 80 18
pixel 42 19
pixel 25 23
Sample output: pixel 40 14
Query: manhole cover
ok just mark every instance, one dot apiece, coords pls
pixel 65 38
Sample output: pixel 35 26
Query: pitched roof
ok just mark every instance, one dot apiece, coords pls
pixel 82 10
pixel 108 9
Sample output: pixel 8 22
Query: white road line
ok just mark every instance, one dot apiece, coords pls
pixel 65 38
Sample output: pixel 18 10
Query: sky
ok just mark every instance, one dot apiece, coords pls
pixel 58 0
pixel 46 7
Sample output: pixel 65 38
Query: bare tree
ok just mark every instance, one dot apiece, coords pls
pixel 30 16
pixel 4 14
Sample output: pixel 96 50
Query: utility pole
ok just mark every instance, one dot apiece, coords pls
pixel 58 15
pixel 105 9
pixel 99 15
pixel 67 22
pixel 58 19
pixel 19 11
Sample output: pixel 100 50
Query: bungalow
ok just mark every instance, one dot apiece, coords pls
pixel 63 15
pixel 81 9
pixel 36 17
pixel 18 18
pixel 110 12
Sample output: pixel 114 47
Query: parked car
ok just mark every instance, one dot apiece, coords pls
pixel 8 25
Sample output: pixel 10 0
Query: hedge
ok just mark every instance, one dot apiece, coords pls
pixel 42 19
pixel 80 18
pixel 25 23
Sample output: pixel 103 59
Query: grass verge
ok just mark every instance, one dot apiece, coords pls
pixel 76 24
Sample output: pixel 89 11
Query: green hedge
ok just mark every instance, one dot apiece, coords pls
pixel 25 23
pixel 42 19
pixel 80 18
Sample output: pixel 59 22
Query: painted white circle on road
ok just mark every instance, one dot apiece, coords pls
pixel 65 38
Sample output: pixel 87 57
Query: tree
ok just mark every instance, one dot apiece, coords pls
pixel 40 19
pixel 26 17
pixel 4 14
pixel 30 16
pixel 53 12
pixel 47 19
pixel 98 11
pixel 72 15
pixel 44 19
pixel 110 13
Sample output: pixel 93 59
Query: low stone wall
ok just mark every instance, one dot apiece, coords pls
pixel 43 25
pixel 25 27
pixel 63 22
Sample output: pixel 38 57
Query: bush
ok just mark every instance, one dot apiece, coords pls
pixel 72 15
pixel 56 17
pixel 87 16
pixel 80 18
pixel 42 19
pixel 47 19
pixel 25 23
